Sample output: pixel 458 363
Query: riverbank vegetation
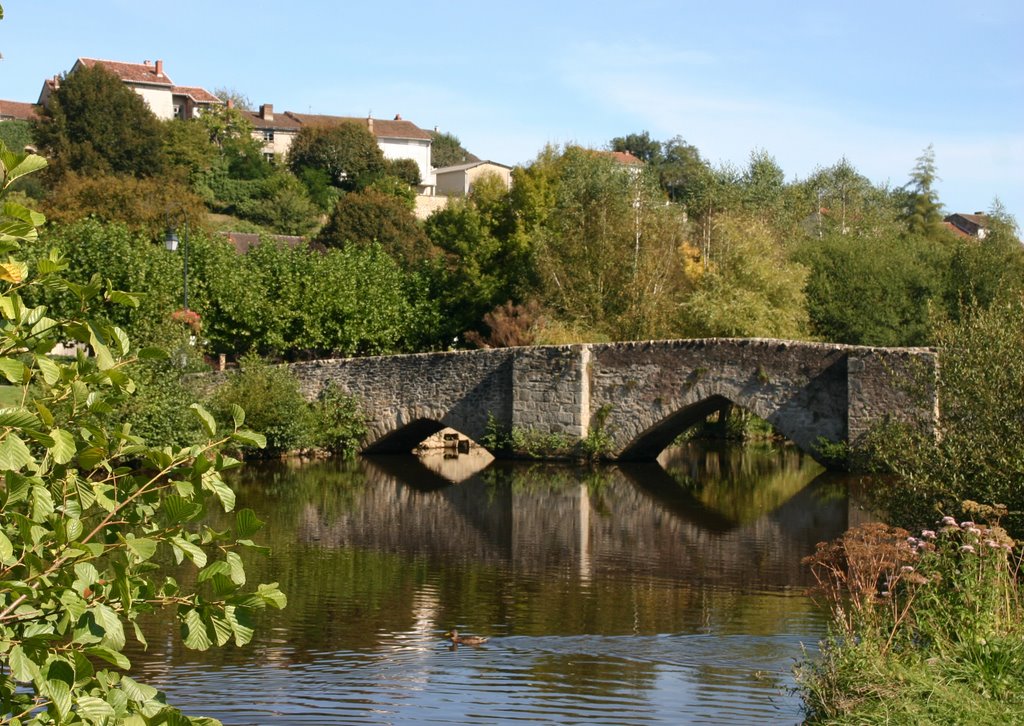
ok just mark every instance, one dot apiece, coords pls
pixel 88 508
pixel 929 627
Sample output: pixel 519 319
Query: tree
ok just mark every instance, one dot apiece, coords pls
pixel 681 171
pixel 641 145
pixel 95 124
pixel 87 507
pixel 447 150
pixel 922 209
pixel 750 289
pixel 405 169
pixel 233 97
pixel 347 153
pixel 371 216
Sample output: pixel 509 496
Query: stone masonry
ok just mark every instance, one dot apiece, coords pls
pixel 646 393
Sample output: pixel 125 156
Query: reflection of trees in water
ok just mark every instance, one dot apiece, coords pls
pixel 364 551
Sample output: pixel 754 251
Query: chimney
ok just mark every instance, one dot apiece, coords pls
pixel 159 68
pixel 398 117
pixel 267 112
pixel 369 123
pixel 231 103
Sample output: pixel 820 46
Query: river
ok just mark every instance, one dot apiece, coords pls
pixel 660 593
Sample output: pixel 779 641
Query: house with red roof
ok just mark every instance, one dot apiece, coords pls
pixel 17 111
pixel 165 99
pixel 968 225
pixel 396 137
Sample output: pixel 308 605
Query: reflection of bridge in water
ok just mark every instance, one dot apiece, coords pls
pixel 580 522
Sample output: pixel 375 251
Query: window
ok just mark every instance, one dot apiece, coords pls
pixel 269 156
pixel 268 134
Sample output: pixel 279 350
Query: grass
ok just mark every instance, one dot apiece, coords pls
pixel 924 630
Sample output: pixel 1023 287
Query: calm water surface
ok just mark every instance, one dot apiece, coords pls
pixel 660 593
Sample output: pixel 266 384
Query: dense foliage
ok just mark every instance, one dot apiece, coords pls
pixel 925 629
pixel 88 508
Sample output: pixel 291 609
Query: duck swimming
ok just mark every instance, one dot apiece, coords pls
pixel 453 635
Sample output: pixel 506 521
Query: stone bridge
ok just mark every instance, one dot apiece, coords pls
pixel 643 394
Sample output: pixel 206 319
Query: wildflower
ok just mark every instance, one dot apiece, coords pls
pixel 966 525
pixel 949 521
pixel 928 533
pixel 974 530
pixel 912 541
pixel 992 543
pixel 966 548
pixel 906 568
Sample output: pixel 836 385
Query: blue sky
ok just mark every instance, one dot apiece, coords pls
pixel 809 82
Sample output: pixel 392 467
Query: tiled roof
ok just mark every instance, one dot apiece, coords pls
pixel 397 128
pixel 18 110
pixel 624 157
pixel 131 72
pixel 280 121
pixel 197 94
pixel 957 231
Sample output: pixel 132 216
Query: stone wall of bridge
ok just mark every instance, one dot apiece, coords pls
pixel 644 394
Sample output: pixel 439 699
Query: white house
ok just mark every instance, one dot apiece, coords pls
pixel 164 99
pixel 397 138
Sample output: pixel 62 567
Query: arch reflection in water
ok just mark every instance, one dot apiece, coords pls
pixel 625 593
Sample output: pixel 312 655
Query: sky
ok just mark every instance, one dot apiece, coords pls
pixel 807 82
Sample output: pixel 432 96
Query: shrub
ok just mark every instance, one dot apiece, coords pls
pixel 981 400
pixel 924 628
pixel 340 422
pixel 273 403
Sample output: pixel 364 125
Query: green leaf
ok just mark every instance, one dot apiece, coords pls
pixel 237 415
pixel 138 692
pixel 178 509
pixel 113 630
pixel 192 551
pixel 42 503
pixel 114 657
pixel 104 360
pixel 141 547
pixel 63 449
pixel 152 353
pixel 28 164
pixel 119 297
pixel 6 549
pixel 247 523
pixel 221 630
pixel 94 709
pixel 196 637
pixel 240 625
pixel 271 595
pixel 236 568
pixel 13 370
pixel 19 418
pixel 23 669
pixel 14 455
pixel 60 694
pixel 250 438
pixel 206 419
pixel 226 495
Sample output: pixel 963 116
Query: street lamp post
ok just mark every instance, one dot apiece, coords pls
pixel 171 243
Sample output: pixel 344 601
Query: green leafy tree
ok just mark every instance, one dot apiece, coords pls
pixel 641 145
pixel 406 170
pixel 282 204
pixel 922 209
pixel 371 216
pixel 681 171
pixel 16 134
pixel 94 123
pixel 347 153
pixel 751 289
pixel 447 150
pixel 87 508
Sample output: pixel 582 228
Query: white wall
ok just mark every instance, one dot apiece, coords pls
pixel 159 100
